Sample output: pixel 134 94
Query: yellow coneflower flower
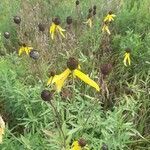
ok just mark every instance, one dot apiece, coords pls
pixel 105 28
pixel 56 28
pixel 109 17
pixel 89 21
pixel 2 128
pixel 75 146
pixel 127 58
pixel 57 80
pixel 73 68
pixel 79 145
pixel 25 49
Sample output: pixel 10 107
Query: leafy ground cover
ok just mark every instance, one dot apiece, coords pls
pixel 76 116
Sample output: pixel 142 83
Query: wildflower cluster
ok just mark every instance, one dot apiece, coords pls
pixel 107 20
pixel 91 14
pixel 73 69
pixel 55 28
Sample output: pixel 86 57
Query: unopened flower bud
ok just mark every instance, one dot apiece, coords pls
pixel 90 10
pixel 128 50
pixel 57 20
pixel 77 2
pixel 104 147
pixel 17 19
pixel 69 20
pixel 110 12
pixel 46 95
pixel 82 142
pixel 34 54
pixel 94 7
pixel 7 35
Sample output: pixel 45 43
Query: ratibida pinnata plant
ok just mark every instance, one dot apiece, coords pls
pixel 73 69
pixel 47 96
pixel 105 28
pixel 80 144
pixel 55 28
pixel 89 20
pixel 91 14
pixel 107 20
pixel 25 49
pixel 110 17
pixel 2 129
pixel 127 59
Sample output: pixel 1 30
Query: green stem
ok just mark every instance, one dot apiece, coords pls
pixel 58 122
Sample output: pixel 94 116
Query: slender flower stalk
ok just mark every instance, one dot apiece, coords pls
pixel 2 129
pixel 127 59
pixel 47 96
pixel 55 28
pixel 25 49
pixel 72 69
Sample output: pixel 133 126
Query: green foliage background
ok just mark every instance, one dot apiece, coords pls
pixel 123 125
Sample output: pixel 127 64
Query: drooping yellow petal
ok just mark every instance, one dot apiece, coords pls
pixel 106 29
pixel 75 146
pixel 2 128
pixel 113 15
pixel 126 56
pixel 52 30
pixel 89 22
pixel 110 18
pixel 124 60
pixel 1 135
pixel 129 60
pixel 79 67
pixel 28 49
pixel 61 30
pixel 21 50
pixel 25 49
pixel 86 79
pixel 61 79
pixel 49 81
pixel 105 19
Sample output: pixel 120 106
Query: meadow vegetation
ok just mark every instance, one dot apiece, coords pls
pixel 115 118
